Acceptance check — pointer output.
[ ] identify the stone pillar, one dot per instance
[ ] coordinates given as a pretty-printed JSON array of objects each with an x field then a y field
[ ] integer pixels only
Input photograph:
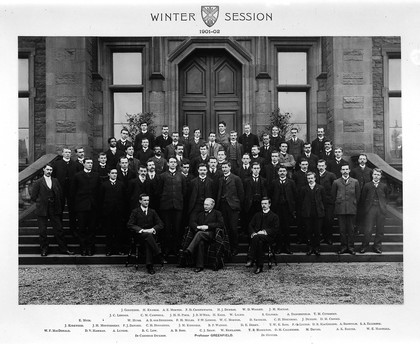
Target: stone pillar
[
  {"x": 157, "y": 80},
  {"x": 69, "y": 117},
  {"x": 352, "y": 96}
]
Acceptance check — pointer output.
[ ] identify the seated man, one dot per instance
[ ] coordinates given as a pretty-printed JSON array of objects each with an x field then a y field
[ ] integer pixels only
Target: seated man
[
  {"x": 145, "y": 223},
  {"x": 263, "y": 230},
  {"x": 204, "y": 224}
]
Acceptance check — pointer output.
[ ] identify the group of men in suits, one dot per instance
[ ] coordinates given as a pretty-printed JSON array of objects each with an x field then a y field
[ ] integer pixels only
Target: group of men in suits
[{"x": 181, "y": 176}]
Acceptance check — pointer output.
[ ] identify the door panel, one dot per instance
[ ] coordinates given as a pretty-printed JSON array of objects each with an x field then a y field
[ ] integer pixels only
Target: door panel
[{"x": 210, "y": 91}]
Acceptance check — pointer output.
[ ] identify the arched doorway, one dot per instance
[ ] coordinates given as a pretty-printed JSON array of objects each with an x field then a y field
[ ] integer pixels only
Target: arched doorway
[{"x": 210, "y": 90}]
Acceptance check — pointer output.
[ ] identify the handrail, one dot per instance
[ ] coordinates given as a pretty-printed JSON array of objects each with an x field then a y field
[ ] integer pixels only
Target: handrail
[{"x": 26, "y": 177}]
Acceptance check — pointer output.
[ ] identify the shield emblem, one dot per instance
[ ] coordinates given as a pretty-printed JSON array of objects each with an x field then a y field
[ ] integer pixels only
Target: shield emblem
[{"x": 210, "y": 14}]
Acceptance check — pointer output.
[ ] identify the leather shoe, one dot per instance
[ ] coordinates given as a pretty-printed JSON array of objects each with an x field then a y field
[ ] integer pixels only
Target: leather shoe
[
  {"x": 70, "y": 253},
  {"x": 83, "y": 252},
  {"x": 317, "y": 253},
  {"x": 234, "y": 253},
  {"x": 351, "y": 251},
  {"x": 198, "y": 269},
  {"x": 377, "y": 250},
  {"x": 215, "y": 268},
  {"x": 160, "y": 259},
  {"x": 343, "y": 250},
  {"x": 362, "y": 249},
  {"x": 329, "y": 242},
  {"x": 150, "y": 270},
  {"x": 89, "y": 252},
  {"x": 44, "y": 253},
  {"x": 188, "y": 257},
  {"x": 249, "y": 264},
  {"x": 108, "y": 254},
  {"x": 258, "y": 270},
  {"x": 310, "y": 251}
]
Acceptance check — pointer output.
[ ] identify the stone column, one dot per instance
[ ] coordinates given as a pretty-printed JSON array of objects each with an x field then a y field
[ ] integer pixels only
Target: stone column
[
  {"x": 69, "y": 121},
  {"x": 350, "y": 94}
]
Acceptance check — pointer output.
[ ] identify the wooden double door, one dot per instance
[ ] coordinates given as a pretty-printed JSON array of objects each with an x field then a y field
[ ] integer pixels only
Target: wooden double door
[{"x": 210, "y": 91}]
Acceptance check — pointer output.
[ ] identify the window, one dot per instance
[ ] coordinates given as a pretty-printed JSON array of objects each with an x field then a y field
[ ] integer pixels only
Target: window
[
  {"x": 126, "y": 87},
  {"x": 24, "y": 88},
  {"x": 393, "y": 117},
  {"x": 293, "y": 88}
]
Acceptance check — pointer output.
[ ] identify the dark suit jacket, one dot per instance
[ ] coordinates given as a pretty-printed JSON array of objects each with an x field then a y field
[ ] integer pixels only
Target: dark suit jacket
[
  {"x": 79, "y": 165},
  {"x": 138, "y": 220},
  {"x": 234, "y": 192},
  {"x": 266, "y": 154},
  {"x": 215, "y": 178},
  {"x": 305, "y": 200},
  {"x": 193, "y": 191},
  {"x": 275, "y": 192},
  {"x": 102, "y": 171},
  {"x": 270, "y": 172},
  {"x": 113, "y": 159},
  {"x": 194, "y": 148},
  {"x": 318, "y": 146},
  {"x": 363, "y": 176},
  {"x": 197, "y": 161},
  {"x": 64, "y": 172},
  {"x": 139, "y": 137},
  {"x": 312, "y": 160},
  {"x": 86, "y": 191},
  {"x": 299, "y": 177},
  {"x": 112, "y": 197},
  {"x": 327, "y": 181},
  {"x": 143, "y": 156},
  {"x": 249, "y": 190},
  {"x": 130, "y": 175},
  {"x": 41, "y": 192},
  {"x": 295, "y": 148},
  {"x": 269, "y": 222},
  {"x": 275, "y": 141},
  {"x": 244, "y": 173},
  {"x": 214, "y": 220},
  {"x": 172, "y": 191},
  {"x": 368, "y": 195},
  {"x": 239, "y": 152},
  {"x": 346, "y": 196},
  {"x": 170, "y": 151},
  {"x": 335, "y": 167},
  {"x": 260, "y": 160},
  {"x": 162, "y": 143},
  {"x": 121, "y": 147},
  {"x": 248, "y": 141},
  {"x": 135, "y": 189},
  {"x": 328, "y": 157}
]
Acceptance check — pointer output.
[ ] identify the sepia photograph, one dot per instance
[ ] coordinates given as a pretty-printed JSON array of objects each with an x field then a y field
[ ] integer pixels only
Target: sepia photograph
[{"x": 195, "y": 171}]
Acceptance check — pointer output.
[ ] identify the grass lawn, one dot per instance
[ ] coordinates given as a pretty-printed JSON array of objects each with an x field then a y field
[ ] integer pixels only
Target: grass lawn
[{"x": 321, "y": 283}]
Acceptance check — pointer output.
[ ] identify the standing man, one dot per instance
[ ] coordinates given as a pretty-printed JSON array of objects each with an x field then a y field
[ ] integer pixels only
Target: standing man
[
  {"x": 346, "y": 193},
  {"x": 310, "y": 157},
  {"x": 101, "y": 167},
  {"x": 283, "y": 194},
  {"x": 163, "y": 139},
  {"x": 185, "y": 139},
  {"x": 318, "y": 143},
  {"x": 255, "y": 156},
  {"x": 229, "y": 199},
  {"x": 46, "y": 192},
  {"x": 263, "y": 230},
  {"x": 295, "y": 144},
  {"x": 222, "y": 136},
  {"x": 80, "y": 155},
  {"x": 270, "y": 171},
  {"x": 161, "y": 164},
  {"x": 212, "y": 146},
  {"x": 146, "y": 224},
  {"x": 300, "y": 179},
  {"x": 172, "y": 190},
  {"x": 266, "y": 148},
  {"x": 336, "y": 164},
  {"x": 154, "y": 178},
  {"x": 245, "y": 169},
  {"x": 144, "y": 153},
  {"x": 113, "y": 154},
  {"x": 275, "y": 138},
  {"x": 64, "y": 170},
  {"x": 312, "y": 202},
  {"x": 214, "y": 173},
  {"x": 363, "y": 175},
  {"x": 248, "y": 139},
  {"x": 203, "y": 158},
  {"x": 112, "y": 194},
  {"x": 171, "y": 148},
  {"x": 234, "y": 151},
  {"x": 138, "y": 186},
  {"x": 144, "y": 133},
  {"x": 133, "y": 163},
  {"x": 374, "y": 199},
  {"x": 204, "y": 224},
  {"x": 328, "y": 153},
  {"x": 123, "y": 142},
  {"x": 200, "y": 188},
  {"x": 287, "y": 160},
  {"x": 195, "y": 144},
  {"x": 86, "y": 186},
  {"x": 326, "y": 180}
]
